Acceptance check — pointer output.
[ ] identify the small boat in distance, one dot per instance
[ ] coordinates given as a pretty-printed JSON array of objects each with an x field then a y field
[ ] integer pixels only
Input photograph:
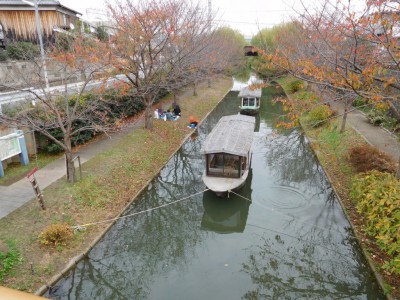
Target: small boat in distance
[
  {"x": 227, "y": 151},
  {"x": 249, "y": 100}
]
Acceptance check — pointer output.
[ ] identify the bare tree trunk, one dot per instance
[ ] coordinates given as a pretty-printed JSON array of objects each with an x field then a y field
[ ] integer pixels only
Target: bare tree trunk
[
  {"x": 209, "y": 82},
  {"x": 148, "y": 114},
  {"x": 175, "y": 98},
  {"x": 68, "y": 161},
  {"x": 344, "y": 119},
  {"x": 394, "y": 110},
  {"x": 195, "y": 88}
]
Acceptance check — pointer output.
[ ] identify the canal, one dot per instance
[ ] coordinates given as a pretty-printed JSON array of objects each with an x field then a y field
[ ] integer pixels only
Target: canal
[{"x": 284, "y": 236}]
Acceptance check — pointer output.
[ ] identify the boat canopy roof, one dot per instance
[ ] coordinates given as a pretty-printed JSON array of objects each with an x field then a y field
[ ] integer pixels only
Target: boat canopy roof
[
  {"x": 246, "y": 92},
  {"x": 232, "y": 135}
]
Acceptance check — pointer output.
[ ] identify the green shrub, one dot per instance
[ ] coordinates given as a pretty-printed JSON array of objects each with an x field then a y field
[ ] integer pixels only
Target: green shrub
[
  {"x": 54, "y": 148},
  {"x": 391, "y": 124},
  {"x": 102, "y": 34},
  {"x": 320, "y": 115},
  {"x": 359, "y": 101},
  {"x": 56, "y": 235},
  {"x": 22, "y": 50},
  {"x": 376, "y": 117},
  {"x": 295, "y": 86},
  {"x": 366, "y": 158},
  {"x": 64, "y": 41},
  {"x": 377, "y": 198},
  {"x": 9, "y": 258},
  {"x": 3, "y": 55}
]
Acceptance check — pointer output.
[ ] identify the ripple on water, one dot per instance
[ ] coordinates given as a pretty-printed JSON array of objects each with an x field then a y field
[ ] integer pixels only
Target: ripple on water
[{"x": 285, "y": 197}]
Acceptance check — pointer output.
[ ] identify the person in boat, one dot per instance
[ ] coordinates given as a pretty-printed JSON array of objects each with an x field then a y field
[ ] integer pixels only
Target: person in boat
[
  {"x": 193, "y": 122},
  {"x": 177, "y": 110}
]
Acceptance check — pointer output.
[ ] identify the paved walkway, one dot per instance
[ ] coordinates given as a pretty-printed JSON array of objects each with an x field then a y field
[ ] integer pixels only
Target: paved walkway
[
  {"x": 374, "y": 135},
  {"x": 17, "y": 194}
]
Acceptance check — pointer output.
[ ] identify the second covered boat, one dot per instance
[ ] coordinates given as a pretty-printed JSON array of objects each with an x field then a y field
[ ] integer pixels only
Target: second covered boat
[
  {"x": 249, "y": 100},
  {"x": 227, "y": 151}
]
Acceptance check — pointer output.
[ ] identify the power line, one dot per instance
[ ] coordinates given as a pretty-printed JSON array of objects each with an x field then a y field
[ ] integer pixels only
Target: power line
[{"x": 250, "y": 23}]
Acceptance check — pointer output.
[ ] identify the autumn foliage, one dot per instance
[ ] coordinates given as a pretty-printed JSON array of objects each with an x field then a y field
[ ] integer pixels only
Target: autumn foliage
[{"x": 350, "y": 53}]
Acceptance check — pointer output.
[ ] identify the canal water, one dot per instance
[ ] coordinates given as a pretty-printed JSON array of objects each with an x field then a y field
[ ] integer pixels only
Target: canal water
[{"x": 284, "y": 236}]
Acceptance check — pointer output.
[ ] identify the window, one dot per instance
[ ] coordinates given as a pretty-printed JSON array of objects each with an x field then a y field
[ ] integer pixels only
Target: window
[
  {"x": 224, "y": 165},
  {"x": 249, "y": 101}
]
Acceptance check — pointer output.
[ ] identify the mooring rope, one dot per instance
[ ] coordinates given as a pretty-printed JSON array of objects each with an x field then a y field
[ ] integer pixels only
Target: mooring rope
[
  {"x": 239, "y": 196},
  {"x": 83, "y": 227}
]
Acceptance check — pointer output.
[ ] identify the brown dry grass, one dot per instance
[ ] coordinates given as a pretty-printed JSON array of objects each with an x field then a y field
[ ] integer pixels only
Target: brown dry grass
[
  {"x": 112, "y": 180},
  {"x": 366, "y": 158}
]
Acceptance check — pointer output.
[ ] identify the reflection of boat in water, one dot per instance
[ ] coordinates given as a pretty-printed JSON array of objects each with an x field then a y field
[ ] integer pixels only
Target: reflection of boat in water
[
  {"x": 224, "y": 215},
  {"x": 249, "y": 100},
  {"x": 227, "y": 151}
]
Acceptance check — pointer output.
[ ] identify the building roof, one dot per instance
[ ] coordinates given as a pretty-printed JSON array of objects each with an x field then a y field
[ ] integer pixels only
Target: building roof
[
  {"x": 232, "y": 134},
  {"x": 246, "y": 92},
  {"x": 42, "y": 4}
]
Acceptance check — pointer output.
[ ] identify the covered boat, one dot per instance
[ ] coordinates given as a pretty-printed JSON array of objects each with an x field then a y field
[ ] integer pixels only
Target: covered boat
[
  {"x": 249, "y": 100},
  {"x": 227, "y": 151}
]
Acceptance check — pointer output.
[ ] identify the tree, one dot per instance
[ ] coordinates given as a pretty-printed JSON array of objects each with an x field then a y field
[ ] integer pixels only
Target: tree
[
  {"x": 62, "y": 108},
  {"x": 220, "y": 51},
  {"x": 268, "y": 40},
  {"x": 156, "y": 44},
  {"x": 228, "y": 45},
  {"x": 346, "y": 53}
]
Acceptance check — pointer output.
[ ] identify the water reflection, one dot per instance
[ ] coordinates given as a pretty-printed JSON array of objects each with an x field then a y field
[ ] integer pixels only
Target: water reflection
[
  {"x": 287, "y": 267},
  {"x": 289, "y": 240},
  {"x": 226, "y": 215}
]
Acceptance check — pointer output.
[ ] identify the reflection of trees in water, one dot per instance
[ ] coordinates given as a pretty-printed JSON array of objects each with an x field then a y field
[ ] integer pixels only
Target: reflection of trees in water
[
  {"x": 292, "y": 160},
  {"x": 139, "y": 248},
  {"x": 293, "y": 164},
  {"x": 290, "y": 268}
]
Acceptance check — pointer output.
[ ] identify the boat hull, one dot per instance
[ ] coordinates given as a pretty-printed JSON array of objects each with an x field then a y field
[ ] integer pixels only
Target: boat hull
[
  {"x": 249, "y": 111},
  {"x": 222, "y": 185}
]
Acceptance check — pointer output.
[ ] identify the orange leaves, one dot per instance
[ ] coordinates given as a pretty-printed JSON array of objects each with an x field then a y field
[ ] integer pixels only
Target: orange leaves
[{"x": 389, "y": 81}]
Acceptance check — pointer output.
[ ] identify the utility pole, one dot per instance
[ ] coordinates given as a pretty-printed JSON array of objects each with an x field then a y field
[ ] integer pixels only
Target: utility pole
[
  {"x": 39, "y": 32},
  {"x": 209, "y": 10}
]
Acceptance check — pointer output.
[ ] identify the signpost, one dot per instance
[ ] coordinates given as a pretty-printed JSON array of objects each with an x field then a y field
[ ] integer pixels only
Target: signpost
[{"x": 11, "y": 145}]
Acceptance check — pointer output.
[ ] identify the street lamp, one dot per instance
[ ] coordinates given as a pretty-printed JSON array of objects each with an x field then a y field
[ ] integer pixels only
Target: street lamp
[{"x": 39, "y": 31}]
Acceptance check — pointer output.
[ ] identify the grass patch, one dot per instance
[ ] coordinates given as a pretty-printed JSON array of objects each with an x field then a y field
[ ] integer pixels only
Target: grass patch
[
  {"x": 16, "y": 171},
  {"x": 113, "y": 179},
  {"x": 9, "y": 259},
  {"x": 332, "y": 148}
]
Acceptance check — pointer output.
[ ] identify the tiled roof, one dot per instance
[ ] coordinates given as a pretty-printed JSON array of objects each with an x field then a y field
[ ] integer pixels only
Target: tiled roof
[
  {"x": 246, "y": 92},
  {"x": 20, "y": 2},
  {"x": 232, "y": 134},
  {"x": 41, "y": 3}
]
